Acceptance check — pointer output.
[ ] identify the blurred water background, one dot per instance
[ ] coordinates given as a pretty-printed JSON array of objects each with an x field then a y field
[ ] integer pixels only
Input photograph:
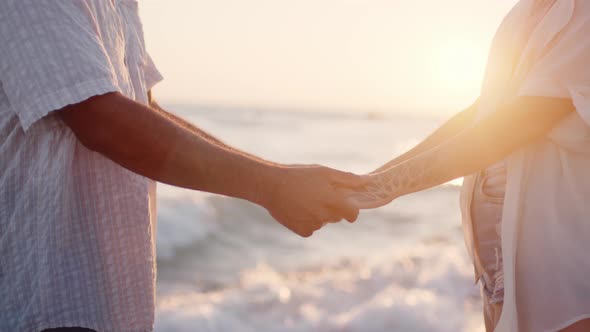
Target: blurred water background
[{"x": 225, "y": 265}]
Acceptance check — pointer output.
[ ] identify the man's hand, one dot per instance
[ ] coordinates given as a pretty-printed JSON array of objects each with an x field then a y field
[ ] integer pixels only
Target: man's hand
[{"x": 304, "y": 198}]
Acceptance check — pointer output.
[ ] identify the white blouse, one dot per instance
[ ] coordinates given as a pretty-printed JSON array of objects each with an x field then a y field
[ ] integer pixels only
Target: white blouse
[{"x": 546, "y": 217}]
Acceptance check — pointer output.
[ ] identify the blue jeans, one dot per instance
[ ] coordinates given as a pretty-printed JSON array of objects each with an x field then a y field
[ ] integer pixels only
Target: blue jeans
[
  {"x": 486, "y": 214},
  {"x": 69, "y": 329}
]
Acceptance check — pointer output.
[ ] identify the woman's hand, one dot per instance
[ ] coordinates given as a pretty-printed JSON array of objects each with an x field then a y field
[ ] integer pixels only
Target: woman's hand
[{"x": 376, "y": 192}]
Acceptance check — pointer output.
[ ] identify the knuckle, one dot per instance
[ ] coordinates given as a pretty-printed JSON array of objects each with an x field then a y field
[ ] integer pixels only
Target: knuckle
[{"x": 306, "y": 234}]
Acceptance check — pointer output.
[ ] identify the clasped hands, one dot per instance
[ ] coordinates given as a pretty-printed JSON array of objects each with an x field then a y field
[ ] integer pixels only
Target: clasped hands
[{"x": 305, "y": 198}]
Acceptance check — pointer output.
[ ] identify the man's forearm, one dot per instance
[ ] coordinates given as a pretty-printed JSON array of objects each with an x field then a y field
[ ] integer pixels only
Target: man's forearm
[
  {"x": 476, "y": 148},
  {"x": 198, "y": 131},
  {"x": 151, "y": 144},
  {"x": 186, "y": 124},
  {"x": 451, "y": 128}
]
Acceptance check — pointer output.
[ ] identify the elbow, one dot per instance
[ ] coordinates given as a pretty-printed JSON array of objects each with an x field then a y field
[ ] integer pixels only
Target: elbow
[
  {"x": 95, "y": 139},
  {"x": 89, "y": 121}
]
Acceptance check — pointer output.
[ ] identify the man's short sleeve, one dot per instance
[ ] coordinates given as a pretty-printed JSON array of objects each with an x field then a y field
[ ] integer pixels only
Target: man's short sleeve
[
  {"x": 152, "y": 74},
  {"x": 51, "y": 56},
  {"x": 564, "y": 70}
]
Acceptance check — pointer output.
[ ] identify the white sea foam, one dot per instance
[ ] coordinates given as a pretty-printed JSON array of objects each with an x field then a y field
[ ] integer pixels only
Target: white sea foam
[
  {"x": 182, "y": 221},
  {"x": 426, "y": 289}
]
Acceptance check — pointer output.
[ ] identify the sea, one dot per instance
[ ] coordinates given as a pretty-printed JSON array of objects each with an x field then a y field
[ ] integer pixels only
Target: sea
[{"x": 224, "y": 265}]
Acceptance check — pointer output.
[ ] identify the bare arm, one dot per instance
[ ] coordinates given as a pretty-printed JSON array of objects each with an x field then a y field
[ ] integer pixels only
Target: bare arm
[
  {"x": 482, "y": 144},
  {"x": 148, "y": 143},
  {"x": 451, "y": 128},
  {"x": 196, "y": 130},
  {"x": 182, "y": 122}
]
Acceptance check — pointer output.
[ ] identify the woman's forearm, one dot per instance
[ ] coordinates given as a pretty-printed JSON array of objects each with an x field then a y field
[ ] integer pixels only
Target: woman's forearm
[
  {"x": 475, "y": 148},
  {"x": 449, "y": 129}
]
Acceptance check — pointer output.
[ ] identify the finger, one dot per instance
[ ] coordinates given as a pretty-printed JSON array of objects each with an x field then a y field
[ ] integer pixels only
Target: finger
[
  {"x": 346, "y": 192},
  {"x": 316, "y": 222},
  {"x": 305, "y": 232},
  {"x": 346, "y": 208},
  {"x": 303, "y": 165},
  {"x": 330, "y": 216},
  {"x": 298, "y": 229},
  {"x": 365, "y": 200},
  {"x": 352, "y": 212},
  {"x": 347, "y": 179},
  {"x": 315, "y": 226},
  {"x": 303, "y": 226},
  {"x": 333, "y": 220}
]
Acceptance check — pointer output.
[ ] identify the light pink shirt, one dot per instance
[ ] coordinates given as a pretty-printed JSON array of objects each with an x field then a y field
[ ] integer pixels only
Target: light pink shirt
[
  {"x": 76, "y": 229},
  {"x": 546, "y": 216}
]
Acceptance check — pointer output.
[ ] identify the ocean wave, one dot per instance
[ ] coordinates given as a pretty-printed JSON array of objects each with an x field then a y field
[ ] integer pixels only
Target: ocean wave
[
  {"x": 427, "y": 289},
  {"x": 183, "y": 221}
]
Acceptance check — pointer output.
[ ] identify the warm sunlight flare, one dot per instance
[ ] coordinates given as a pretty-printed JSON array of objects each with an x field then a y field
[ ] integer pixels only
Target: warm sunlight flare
[
  {"x": 458, "y": 67},
  {"x": 386, "y": 56}
]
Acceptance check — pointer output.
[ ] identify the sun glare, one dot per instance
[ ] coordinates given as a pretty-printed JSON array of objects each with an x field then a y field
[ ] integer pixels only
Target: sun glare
[{"x": 459, "y": 67}]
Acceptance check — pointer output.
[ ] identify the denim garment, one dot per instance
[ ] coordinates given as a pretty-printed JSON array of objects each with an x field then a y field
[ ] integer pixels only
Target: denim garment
[{"x": 486, "y": 211}]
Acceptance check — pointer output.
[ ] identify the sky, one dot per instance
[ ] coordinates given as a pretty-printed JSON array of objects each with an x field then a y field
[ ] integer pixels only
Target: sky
[{"x": 337, "y": 55}]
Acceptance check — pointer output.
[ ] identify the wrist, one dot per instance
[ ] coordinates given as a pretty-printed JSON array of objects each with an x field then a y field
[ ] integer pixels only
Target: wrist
[
  {"x": 268, "y": 183},
  {"x": 389, "y": 188}
]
